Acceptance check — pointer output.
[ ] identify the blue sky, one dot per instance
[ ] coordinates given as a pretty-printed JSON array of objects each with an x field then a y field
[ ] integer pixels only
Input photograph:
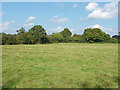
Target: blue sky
[{"x": 55, "y": 16}]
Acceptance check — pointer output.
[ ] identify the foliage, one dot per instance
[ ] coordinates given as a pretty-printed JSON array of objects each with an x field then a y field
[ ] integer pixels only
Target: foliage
[
  {"x": 37, "y": 34},
  {"x": 111, "y": 40},
  {"x": 56, "y": 38},
  {"x": 95, "y": 35},
  {"x": 8, "y": 39},
  {"x": 116, "y": 36},
  {"x": 66, "y": 33},
  {"x": 22, "y": 36}
]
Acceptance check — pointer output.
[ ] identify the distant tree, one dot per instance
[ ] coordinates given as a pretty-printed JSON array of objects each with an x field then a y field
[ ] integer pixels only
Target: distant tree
[
  {"x": 22, "y": 36},
  {"x": 108, "y": 36},
  {"x": 76, "y": 38},
  {"x": 66, "y": 33},
  {"x": 95, "y": 35},
  {"x": 56, "y": 37},
  {"x": 21, "y": 31},
  {"x": 36, "y": 34},
  {"x": 115, "y": 36},
  {"x": 8, "y": 39}
]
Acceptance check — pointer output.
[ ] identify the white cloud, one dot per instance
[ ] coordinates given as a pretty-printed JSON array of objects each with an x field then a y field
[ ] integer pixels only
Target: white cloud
[
  {"x": 100, "y": 14},
  {"x": 30, "y": 18},
  {"x": 60, "y": 20},
  {"x": 5, "y": 25},
  {"x": 75, "y": 5},
  {"x": 58, "y": 29},
  {"x": 105, "y": 29},
  {"x": 91, "y": 6},
  {"x": 108, "y": 11},
  {"x": 29, "y": 24},
  {"x": 72, "y": 29},
  {"x": 56, "y": 16}
]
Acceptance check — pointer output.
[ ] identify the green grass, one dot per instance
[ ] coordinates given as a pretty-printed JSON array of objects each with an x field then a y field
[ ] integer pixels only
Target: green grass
[{"x": 60, "y": 66}]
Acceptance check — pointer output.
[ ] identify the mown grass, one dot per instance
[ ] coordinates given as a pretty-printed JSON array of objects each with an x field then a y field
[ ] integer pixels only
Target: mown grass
[{"x": 70, "y": 65}]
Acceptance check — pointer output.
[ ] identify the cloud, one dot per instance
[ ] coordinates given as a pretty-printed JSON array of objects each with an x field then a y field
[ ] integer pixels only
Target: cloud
[
  {"x": 105, "y": 29},
  {"x": 5, "y": 25},
  {"x": 107, "y": 12},
  {"x": 59, "y": 20},
  {"x": 31, "y": 18},
  {"x": 29, "y": 24},
  {"x": 72, "y": 29},
  {"x": 91, "y": 6},
  {"x": 56, "y": 16},
  {"x": 100, "y": 14},
  {"x": 58, "y": 29},
  {"x": 75, "y": 5}
]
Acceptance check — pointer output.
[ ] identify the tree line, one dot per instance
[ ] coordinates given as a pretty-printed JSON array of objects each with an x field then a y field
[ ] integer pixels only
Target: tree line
[{"x": 37, "y": 35}]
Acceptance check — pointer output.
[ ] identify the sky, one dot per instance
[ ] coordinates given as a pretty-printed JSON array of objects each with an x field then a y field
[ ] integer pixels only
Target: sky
[{"x": 55, "y": 16}]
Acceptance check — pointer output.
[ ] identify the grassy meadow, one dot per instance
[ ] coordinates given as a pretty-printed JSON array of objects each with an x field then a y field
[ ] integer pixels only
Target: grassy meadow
[{"x": 63, "y": 65}]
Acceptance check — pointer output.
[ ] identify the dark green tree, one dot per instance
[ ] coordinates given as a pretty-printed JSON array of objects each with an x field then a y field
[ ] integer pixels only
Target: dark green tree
[
  {"x": 8, "y": 39},
  {"x": 56, "y": 37},
  {"x": 95, "y": 35},
  {"x": 36, "y": 34},
  {"x": 22, "y": 36},
  {"x": 66, "y": 33}
]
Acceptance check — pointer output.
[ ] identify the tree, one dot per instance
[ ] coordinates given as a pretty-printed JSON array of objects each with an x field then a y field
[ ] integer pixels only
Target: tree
[
  {"x": 21, "y": 31},
  {"x": 36, "y": 34},
  {"x": 95, "y": 35},
  {"x": 76, "y": 38},
  {"x": 22, "y": 36},
  {"x": 66, "y": 33},
  {"x": 116, "y": 36},
  {"x": 8, "y": 39},
  {"x": 56, "y": 37}
]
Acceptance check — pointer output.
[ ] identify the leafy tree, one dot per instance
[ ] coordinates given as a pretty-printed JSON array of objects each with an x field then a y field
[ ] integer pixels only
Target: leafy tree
[
  {"x": 21, "y": 31},
  {"x": 8, "y": 39},
  {"x": 56, "y": 37},
  {"x": 22, "y": 36},
  {"x": 76, "y": 38},
  {"x": 95, "y": 35},
  {"x": 36, "y": 34},
  {"x": 116, "y": 36},
  {"x": 66, "y": 33}
]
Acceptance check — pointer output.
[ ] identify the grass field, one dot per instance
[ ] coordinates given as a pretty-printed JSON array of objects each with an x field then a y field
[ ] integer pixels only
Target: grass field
[{"x": 60, "y": 66}]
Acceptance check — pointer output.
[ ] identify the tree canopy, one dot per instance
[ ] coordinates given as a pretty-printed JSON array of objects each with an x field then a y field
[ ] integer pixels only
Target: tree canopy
[
  {"x": 95, "y": 35},
  {"x": 37, "y": 34}
]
